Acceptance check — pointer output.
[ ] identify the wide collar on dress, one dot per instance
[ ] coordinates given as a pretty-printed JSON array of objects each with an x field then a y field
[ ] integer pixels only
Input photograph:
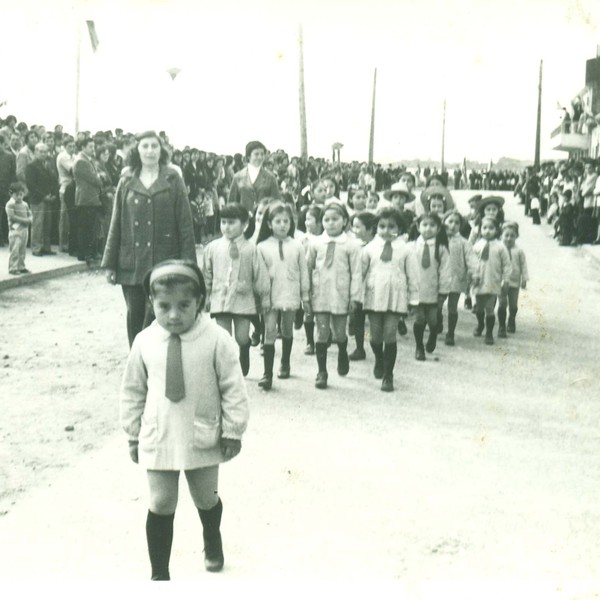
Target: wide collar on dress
[
  {"x": 340, "y": 239},
  {"x": 162, "y": 183}
]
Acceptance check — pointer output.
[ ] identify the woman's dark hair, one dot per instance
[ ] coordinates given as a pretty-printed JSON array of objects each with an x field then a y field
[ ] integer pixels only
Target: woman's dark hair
[
  {"x": 100, "y": 148},
  {"x": 316, "y": 211},
  {"x": 441, "y": 239},
  {"x": 393, "y": 214},
  {"x": 234, "y": 210},
  {"x": 255, "y": 145},
  {"x": 273, "y": 209},
  {"x": 135, "y": 162},
  {"x": 170, "y": 281}
]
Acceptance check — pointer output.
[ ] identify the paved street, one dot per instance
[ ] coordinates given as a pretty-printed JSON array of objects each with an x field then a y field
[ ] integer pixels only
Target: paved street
[{"x": 482, "y": 465}]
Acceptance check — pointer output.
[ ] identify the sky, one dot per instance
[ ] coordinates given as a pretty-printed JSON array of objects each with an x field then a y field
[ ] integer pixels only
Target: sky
[{"x": 239, "y": 71}]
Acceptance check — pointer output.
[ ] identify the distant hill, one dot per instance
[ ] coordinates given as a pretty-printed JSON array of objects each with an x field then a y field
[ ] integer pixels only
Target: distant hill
[{"x": 504, "y": 163}]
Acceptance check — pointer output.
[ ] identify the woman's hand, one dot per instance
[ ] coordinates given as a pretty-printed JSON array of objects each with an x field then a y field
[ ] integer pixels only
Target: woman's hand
[
  {"x": 111, "y": 276},
  {"x": 230, "y": 448}
]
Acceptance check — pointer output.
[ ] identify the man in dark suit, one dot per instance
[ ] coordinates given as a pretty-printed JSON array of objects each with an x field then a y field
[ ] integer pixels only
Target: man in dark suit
[
  {"x": 42, "y": 189},
  {"x": 8, "y": 175}
]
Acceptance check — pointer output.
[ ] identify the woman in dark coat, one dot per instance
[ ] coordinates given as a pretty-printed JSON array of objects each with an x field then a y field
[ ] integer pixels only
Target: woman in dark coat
[{"x": 151, "y": 222}]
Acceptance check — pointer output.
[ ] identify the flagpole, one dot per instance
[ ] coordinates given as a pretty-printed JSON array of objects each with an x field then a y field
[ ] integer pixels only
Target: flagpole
[
  {"x": 372, "y": 134},
  {"x": 536, "y": 161},
  {"x": 302, "y": 98},
  {"x": 77, "y": 77},
  {"x": 443, "y": 134}
]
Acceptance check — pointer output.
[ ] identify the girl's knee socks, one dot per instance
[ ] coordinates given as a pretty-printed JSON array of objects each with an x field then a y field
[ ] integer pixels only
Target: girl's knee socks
[
  {"x": 159, "y": 535},
  {"x": 321, "y": 352}
]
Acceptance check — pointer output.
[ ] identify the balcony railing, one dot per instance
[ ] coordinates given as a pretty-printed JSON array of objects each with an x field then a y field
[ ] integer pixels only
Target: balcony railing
[{"x": 570, "y": 138}]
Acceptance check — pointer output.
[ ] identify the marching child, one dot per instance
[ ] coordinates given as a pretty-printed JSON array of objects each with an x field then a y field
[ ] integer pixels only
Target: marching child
[
  {"x": 285, "y": 262},
  {"x": 336, "y": 287},
  {"x": 430, "y": 250},
  {"x": 463, "y": 269},
  {"x": 314, "y": 228},
  {"x": 518, "y": 280},
  {"x": 184, "y": 406},
  {"x": 494, "y": 270},
  {"x": 363, "y": 228},
  {"x": 235, "y": 278},
  {"x": 490, "y": 206},
  {"x": 390, "y": 284},
  {"x": 19, "y": 218}
]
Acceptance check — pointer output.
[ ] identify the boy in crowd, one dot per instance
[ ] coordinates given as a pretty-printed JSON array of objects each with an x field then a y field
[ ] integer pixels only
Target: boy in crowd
[{"x": 19, "y": 218}]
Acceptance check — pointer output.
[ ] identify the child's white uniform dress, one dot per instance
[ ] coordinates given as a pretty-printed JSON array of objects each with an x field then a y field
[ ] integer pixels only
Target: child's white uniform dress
[
  {"x": 334, "y": 286},
  {"x": 463, "y": 264},
  {"x": 493, "y": 271},
  {"x": 435, "y": 279},
  {"x": 184, "y": 435},
  {"x": 389, "y": 286}
]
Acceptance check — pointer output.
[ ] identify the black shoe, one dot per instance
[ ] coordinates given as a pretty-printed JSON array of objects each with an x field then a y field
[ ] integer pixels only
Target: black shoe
[
  {"x": 358, "y": 354},
  {"x": 489, "y": 339},
  {"x": 14, "y": 272},
  {"x": 266, "y": 383},
  {"x": 284, "y": 372},
  {"x": 213, "y": 544},
  {"x": 321, "y": 380},
  {"x": 343, "y": 366},
  {"x": 37, "y": 253},
  {"x": 449, "y": 339},
  {"x": 255, "y": 338},
  {"x": 502, "y": 332},
  {"x": 309, "y": 350},
  {"x": 478, "y": 331},
  {"x": 387, "y": 385},
  {"x": 510, "y": 327},
  {"x": 431, "y": 344},
  {"x": 378, "y": 369},
  {"x": 402, "y": 329},
  {"x": 24, "y": 271},
  {"x": 420, "y": 354},
  {"x": 48, "y": 253}
]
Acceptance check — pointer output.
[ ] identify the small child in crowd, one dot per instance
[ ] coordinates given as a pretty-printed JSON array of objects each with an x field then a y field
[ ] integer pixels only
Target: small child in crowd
[
  {"x": 184, "y": 406},
  {"x": 518, "y": 280},
  {"x": 363, "y": 229},
  {"x": 19, "y": 219},
  {"x": 494, "y": 271},
  {"x": 390, "y": 277},
  {"x": 463, "y": 268},
  {"x": 434, "y": 279},
  {"x": 335, "y": 271},
  {"x": 285, "y": 263},
  {"x": 235, "y": 278}
]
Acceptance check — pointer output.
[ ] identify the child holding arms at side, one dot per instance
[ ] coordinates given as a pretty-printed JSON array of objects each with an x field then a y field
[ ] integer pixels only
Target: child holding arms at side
[
  {"x": 494, "y": 270},
  {"x": 285, "y": 262},
  {"x": 430, "y": 251},
  {"x": 463, "y": 268},
  {"x": 184, "y": 406},
  {"x": 336, "y": 287},
  {"x": 518, "y": 280},
  {"x": 390, "y": 284},
  {"x": 235, "y": 277},
  {"x": 19, "y": 218}
]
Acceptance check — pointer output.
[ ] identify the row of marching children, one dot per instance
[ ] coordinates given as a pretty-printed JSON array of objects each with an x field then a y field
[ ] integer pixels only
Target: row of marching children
[{"x": 381, "y": 263}]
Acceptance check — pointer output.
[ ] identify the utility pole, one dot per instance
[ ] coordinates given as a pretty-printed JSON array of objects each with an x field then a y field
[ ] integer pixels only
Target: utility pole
[
  {"x": 77, "y": 76},
  {"x": 372, "y": 136},
  {"x": 536, "y": 161},
  {"x": 443, "y": 134},
  {"x": 302, "y": 99}
]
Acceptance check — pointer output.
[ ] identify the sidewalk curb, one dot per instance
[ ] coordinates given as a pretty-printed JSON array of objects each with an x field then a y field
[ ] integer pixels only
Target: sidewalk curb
[{"x": 41, "y": 276}]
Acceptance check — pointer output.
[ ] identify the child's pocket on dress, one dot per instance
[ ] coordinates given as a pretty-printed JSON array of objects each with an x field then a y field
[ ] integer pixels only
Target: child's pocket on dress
[
  {"x": 148, "y": 433},
  {"x": 206, "y": 433}
]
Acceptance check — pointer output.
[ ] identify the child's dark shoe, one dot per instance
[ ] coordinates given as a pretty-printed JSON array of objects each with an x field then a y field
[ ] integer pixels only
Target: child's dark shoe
[
  {"x": 420, "y": 354},
  {"x": 431, "y": 344},
  {"x": 502, "y": 332},
  {"x": 309, "y": 350},
  {"x": 284, "y": 372},
  {"x": 343, "y": 366},
  {"x": 489, "y": 339},
  {"x": 387, "y": 385},
  {"x": 478, "y": 331},
  {"x": 266, "y": 383},
  {"x": 255, "y": 339},
  {"x": 510, "y": 326},
  {"x": 378, "y": 369},
  {"x": 449, "y": 339},
  {"x": 321, "y": 380},
  {"x": 358, "y": 354},
  {"x": 402, "y": 329}
]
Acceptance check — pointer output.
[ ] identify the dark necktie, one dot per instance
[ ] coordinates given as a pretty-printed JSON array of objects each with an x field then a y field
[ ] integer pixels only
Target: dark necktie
[
  {"x": 330, "y": 253},
  {"x": 175, "y": 387},
  {"x": 485, "y": 253},
  {"x": 386, "y": 254},
  {"x": 426, "y": 259},
  {"x": 509, "y": 253},
  {"x": 281, "y": 249},
  {"x": 233, "y": 251}
]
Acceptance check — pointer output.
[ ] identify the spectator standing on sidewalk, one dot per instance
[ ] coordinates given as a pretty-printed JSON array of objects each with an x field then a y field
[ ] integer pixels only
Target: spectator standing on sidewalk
[
  {"x": 7, "y": 176},
  {"x": 64, "y": 166},
  {"x": 26, "y": 154},
  {"x": 19, "y": 220},
  {"x": 43, "y": 192}
]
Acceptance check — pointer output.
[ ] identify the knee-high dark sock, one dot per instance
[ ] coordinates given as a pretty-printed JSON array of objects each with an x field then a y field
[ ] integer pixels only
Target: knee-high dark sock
[
  {"x": 512, "y": 313},
  {"x": 309, "y": 329},
  {"x": 378, "y": 352},
  {"x": 269, "y": 359},
  {"x": 502, "y": 317},
  {"x": 359, "y": 336},
  {"x": 245, "y": 358},
  {"x": 343, "y": 360},
  {"x": 298, "y": 318},
  {"x": 440, "y": 321},
  {"x": 389, "y": 359},
  {"x": 452, "y": 321},
  {"x": 419, "y": 330},
  {"x": 286, "y": 350},
  {"x": 321, "y": 352},
  {"x": 159, "y": 534},
  {"x": 255, "y": 320},
  {"x": 211, "y": 534},
  {"x": 490, "y": 321},
  {"x": 480, "y": 320}
]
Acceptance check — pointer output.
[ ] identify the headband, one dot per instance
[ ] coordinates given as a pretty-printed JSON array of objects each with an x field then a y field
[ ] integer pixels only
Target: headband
[
  {"x": 165, "y": 270},
  {"x": 337, "y": 207}
]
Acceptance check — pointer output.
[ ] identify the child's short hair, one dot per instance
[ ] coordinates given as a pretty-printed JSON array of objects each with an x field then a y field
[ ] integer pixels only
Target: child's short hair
[
  {"x": 393, "y": 214},
  {"x": 316, "y": 211},
  {"x": 369, "y": 220},
  {"x": 172, "y": 272},
  {"x": 234, "y": 210},
  {"x": 16, "y": 187},
  {"x": 511, "y": 225},
  {"x": 454, "y": 213},
  {"x": 490, "y": 220},
  {"x": 340, "y": 208}
]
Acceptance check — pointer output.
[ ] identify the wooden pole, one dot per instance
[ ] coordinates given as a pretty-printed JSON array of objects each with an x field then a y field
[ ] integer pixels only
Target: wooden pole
[
  {"x": 443, "y": 135},
  {"x": 77, "y": 76},
  {"x": 303, "y": 135},
  {"x": 536, "y": 161},
  {"x": 372, "y": 134}
]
